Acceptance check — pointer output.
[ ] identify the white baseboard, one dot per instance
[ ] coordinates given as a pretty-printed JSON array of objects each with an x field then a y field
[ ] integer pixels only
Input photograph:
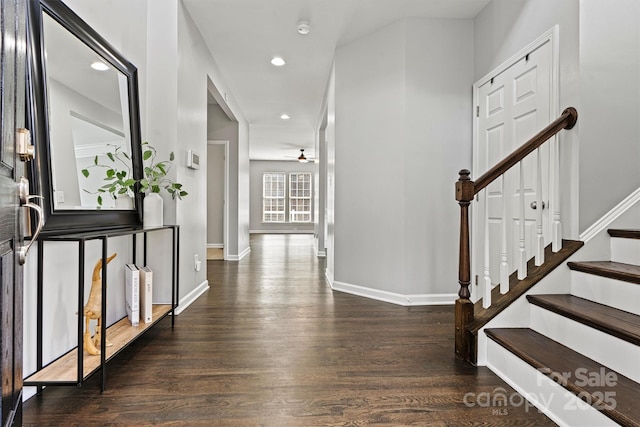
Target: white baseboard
[
  {"x": 244, "y": 253},
  {"x": 189, "y": 299},
  {"x": 395, "y": 298},
  {"x": 328, "y": 275},
  {"x": 215, "y": 245},
  {"x": 281, "y": 231},
  {"x": 321, "y": 254},
  {"x": 432, "y": 299},
  {"x": 231, "y": 257}
]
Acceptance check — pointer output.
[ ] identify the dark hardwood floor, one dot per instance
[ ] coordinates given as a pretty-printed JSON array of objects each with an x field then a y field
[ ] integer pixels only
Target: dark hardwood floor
[{"x": 271, "y": 345}]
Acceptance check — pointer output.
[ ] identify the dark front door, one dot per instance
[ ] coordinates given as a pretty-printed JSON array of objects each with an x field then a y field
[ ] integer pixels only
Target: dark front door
[{"x": 12, "y": 117}]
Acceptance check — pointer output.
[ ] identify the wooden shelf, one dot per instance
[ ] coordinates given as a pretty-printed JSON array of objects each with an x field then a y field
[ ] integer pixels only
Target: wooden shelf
[
  {"x": 120, "y": 334},
  {"x": 75, "y": 366}
]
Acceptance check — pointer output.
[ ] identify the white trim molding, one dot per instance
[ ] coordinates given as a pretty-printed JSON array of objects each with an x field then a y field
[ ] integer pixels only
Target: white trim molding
[
  {"x": 215, "y": 245},
  {"x": 328, "y": 275},
  {"x": 190, "y": 298},
  {"x": 238, "y": 257},
  {"x": 610, "y": 216},
  {"x": 395, "y": 298}
]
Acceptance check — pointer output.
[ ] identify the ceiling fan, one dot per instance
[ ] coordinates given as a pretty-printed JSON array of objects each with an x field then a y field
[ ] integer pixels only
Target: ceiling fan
[{"x": 302, "y": 158}]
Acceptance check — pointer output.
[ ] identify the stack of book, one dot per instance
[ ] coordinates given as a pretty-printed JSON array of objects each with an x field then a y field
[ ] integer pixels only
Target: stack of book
[{"x": 138, "y": 294}]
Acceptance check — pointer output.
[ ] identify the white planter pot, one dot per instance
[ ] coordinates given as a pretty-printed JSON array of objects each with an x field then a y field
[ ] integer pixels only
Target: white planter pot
[{"x": 152, "y": 211}]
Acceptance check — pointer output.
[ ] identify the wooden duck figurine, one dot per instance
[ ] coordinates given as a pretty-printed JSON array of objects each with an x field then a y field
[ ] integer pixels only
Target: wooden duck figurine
[{"x": 93, "y": 309}]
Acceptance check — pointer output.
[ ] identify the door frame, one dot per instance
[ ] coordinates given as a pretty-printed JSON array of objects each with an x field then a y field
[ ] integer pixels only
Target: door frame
[
  {"x": 550, "y": 36},
  {"x": 225, "y": 208}
]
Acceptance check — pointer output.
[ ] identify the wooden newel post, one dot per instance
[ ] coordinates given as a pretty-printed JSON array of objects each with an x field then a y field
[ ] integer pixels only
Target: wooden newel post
[{"x": 464, "y": 306}]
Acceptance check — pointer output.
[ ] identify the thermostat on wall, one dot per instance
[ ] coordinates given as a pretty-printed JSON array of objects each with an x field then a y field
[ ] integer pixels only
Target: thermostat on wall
[{"x": 193, "y": 160}]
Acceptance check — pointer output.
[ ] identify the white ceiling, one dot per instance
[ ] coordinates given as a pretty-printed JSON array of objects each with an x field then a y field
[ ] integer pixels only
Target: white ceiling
[{"x": 243, "y": 35}]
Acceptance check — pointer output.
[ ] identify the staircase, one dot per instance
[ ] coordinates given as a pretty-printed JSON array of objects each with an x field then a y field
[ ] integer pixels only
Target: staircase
[{"x": 579, "y": 359}]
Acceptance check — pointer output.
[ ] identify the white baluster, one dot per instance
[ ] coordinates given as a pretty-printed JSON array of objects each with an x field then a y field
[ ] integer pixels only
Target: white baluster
[
  {"x": 539, "y": 259},
  {"x": 486, "y": 278},
  {"x": 522, "y": 261},
  {"x": 554, "y": 188},
  {"x": 504, "y": 256}
]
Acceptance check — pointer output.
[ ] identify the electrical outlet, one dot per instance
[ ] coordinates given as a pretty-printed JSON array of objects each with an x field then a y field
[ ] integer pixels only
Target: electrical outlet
[{"x": 196, "y": 263}]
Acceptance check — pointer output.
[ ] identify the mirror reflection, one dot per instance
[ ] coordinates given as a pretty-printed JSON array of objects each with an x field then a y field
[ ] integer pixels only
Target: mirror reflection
[{"x": 88, "y": 122}]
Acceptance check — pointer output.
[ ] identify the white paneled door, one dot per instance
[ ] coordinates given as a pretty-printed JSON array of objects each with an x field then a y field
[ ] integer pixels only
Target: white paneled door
[{"x": 511, "y": 107}]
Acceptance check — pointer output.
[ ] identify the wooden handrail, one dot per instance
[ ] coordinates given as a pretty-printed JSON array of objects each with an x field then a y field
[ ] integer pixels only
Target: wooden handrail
[
  {"x": 566, "y": 120},
  {"x": 466, "y": 189}
]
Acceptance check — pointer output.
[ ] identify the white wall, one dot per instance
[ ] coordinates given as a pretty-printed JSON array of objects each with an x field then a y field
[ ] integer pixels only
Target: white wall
[
  {"x": 219, "y": 126},
  {"x": 259, "y": 167},
  {"x": 369, "y": 169},
  {"x": 504, "y": 27},
  {"x": 438, "y": 103},
  {"x": 402, "y": 109},
  {"x": 162, "y": 130},
  {"x": 609, "y": 105}
]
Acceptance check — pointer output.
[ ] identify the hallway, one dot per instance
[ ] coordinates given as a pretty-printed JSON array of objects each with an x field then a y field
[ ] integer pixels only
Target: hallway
[{"x": 269, "y": 344}]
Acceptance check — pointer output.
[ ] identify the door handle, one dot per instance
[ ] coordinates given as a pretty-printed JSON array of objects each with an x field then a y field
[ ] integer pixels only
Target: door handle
[
  {"x": 534, "y": 205},
  {"x": 25, "y": 201}
]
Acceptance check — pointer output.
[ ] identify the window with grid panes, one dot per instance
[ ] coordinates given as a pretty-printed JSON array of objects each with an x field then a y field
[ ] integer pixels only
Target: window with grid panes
[
  {"x": 273, "y": 197},
  {"x": 300, "y": 197}
]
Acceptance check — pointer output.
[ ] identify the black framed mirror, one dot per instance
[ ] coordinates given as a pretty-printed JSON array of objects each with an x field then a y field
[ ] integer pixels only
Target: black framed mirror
[{"x": 85, "y": 124}]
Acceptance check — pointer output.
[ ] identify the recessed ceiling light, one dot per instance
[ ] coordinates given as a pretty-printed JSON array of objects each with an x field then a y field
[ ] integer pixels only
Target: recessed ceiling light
[
  {"x": 99, "y": 65},
  {"x": 277, "y": 61},
  {"x": 285, "y": 117}
]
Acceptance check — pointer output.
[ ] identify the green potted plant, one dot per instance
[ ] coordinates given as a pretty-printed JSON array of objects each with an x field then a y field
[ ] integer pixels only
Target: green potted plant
[
  {"x": 120, "y": 183},
  {"x": 155, "y": 174},
  {"x": 154, "y": 180}
]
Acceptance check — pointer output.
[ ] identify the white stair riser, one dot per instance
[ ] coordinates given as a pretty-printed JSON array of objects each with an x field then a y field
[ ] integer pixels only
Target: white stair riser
[
  {"x": 517, "y": 314},
  {"x": 614, "y": 293},
  {"x": 619, "y": 355},
  {"x": 563, "y": 407},
  {"x": 625, "y": 250}
]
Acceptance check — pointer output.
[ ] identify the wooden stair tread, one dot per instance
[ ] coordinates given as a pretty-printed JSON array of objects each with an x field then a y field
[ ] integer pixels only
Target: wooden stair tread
[
  {"x": 554, "y": 359},
  {"x": 517, "y": 288},
  {"x": 615, "y": 322},
  {"x": 627, "y": 234},
  {"x": 613, "y": 270}
]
